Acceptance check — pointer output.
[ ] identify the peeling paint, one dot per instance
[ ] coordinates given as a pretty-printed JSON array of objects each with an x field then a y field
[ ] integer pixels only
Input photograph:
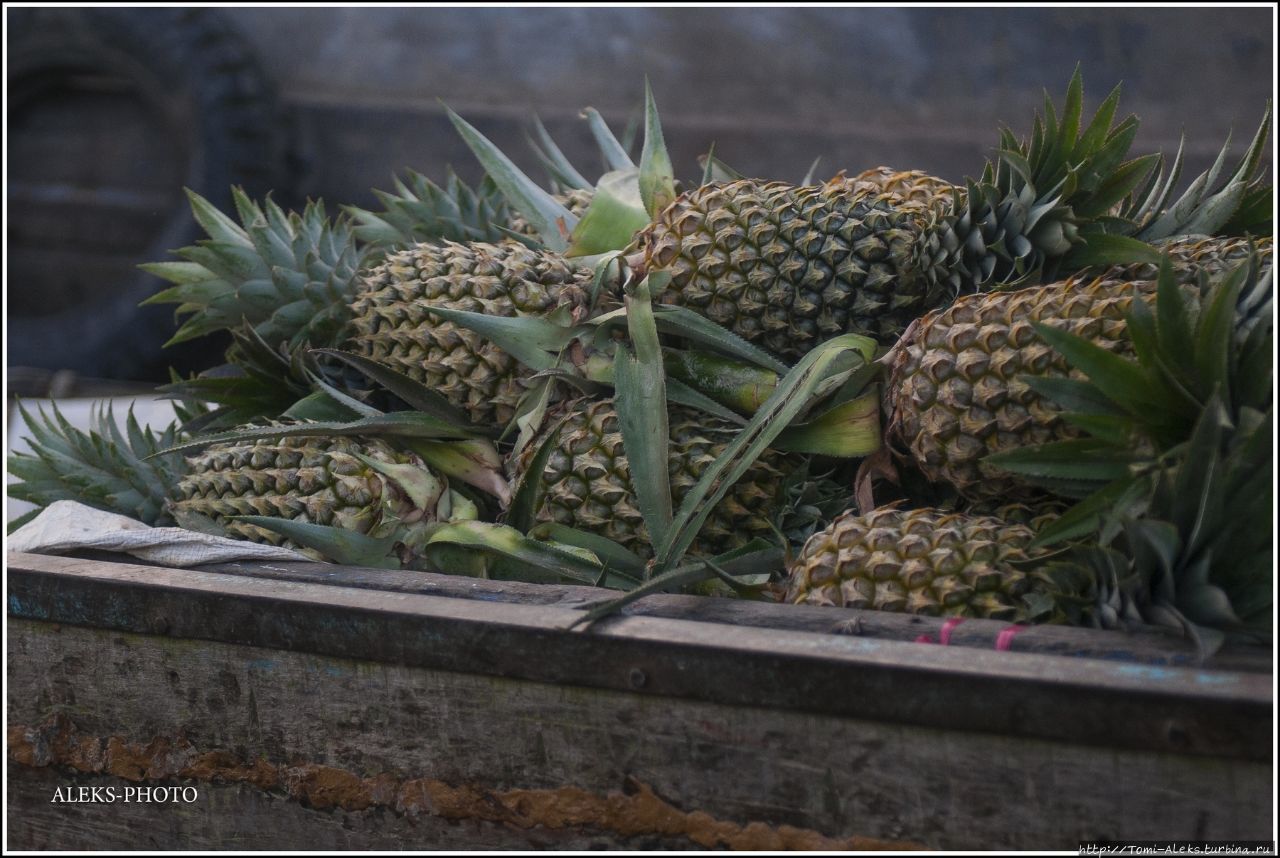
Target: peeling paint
[{"x": 635, "y": 811}]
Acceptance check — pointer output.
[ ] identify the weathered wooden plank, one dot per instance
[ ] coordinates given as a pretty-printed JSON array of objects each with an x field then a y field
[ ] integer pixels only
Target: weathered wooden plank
[
  {"x": 240, "y": 817},
  {"x": 1213, "y": 713},
  {"x": 346, "y": 736},
  {"x": 1144, "y": 646}
]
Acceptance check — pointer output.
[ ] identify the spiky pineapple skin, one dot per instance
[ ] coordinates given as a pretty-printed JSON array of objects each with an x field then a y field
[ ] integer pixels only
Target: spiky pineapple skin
[
  {"x": 955, "y": 392},
  {"x": 586, "y": 483},
  {"x": 787, "y": 267},
  {"x": 922, "y": 561},
  {"x": 914, "y": 185},
  {"x": 318, "y": 480},
  {"x": 392, "y": 318}
]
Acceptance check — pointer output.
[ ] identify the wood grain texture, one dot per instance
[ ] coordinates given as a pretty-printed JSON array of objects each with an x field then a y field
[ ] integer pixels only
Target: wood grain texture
[
  {"x": 1130, "y": 706},
  {"x": 839, "y": 776},
  {"x": 241, "y": 817},
  {"x": 1142, "y": 646}
]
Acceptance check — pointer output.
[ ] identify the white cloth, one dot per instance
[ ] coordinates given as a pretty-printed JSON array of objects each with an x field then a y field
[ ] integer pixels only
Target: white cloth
[{"x": 66, "y": 526}]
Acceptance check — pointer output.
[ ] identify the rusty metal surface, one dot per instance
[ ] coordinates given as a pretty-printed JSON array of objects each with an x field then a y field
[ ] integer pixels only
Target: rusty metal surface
[{"x": 1180, "y": 710}]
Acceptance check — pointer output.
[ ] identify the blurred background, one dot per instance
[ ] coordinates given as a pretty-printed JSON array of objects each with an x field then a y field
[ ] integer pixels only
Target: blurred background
[{"x": 113, "y": 111}]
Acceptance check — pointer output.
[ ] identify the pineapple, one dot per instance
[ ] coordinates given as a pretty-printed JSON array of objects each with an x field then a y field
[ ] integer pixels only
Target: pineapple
[
  {"x": 954, "y": 392},
  {"x": 1193, "y": 254},
  {"x": 586, "y": 482},
  {"x": 356, "y": 484},
  {"x": 289, "y": 282},
  {"x": 912, "y": 185},
  {"x": 392, "y": 322},
  {"x": 787, "y": 267},
  {"x": 923, "y": 561}
]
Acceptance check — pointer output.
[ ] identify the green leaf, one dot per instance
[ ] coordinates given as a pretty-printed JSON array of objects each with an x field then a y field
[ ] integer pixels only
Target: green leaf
[
  {"x": 615, "y": 215},
  {"x": 1117, "y": 186},
  {"x": 641, "y": 399},
  {"x": 1118, "y": 379},
  {"x": 323, "y": 405},
  {"x": 552, "y": 221},
  {"x": 1073, "y": 395},
  {"x": 218, "y": 226},
  {"x": 1213, "y": 335},
  {"x": 475, "y": 462},
  {"x": 510, "y": 555},
  {"x": 694, "y": 572},
  {"x": 793, "y": 395},
  {"x": 657, "y": 177},
  {"x": 1096, "y": 133},
  {"x": 339, "y": 545},
  {"x": 715, "y": 170},
  {"x": 416, "y": 394},
  {"x": 849, "y": 430},
  {"x": 1098, "y": 250},
  {"x": 1077, "y": 459},
  {"x": 524, "y": 503},
  {"x": 743, "y": 387},
  {"x": 400, "y": 424},
  {"x": 1083, "y": 518},
  {"x": 699, "y": 330},
  {"x": 529, "y": 339},
  {"x": 555, "y": 160},
  {"x": 615, "y": 154},
  {"x": 614, "y": 556}
]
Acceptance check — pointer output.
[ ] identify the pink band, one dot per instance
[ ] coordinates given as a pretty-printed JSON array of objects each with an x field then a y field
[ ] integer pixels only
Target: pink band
[
  {"x": 944, "y": 636},
  {"x": 925, "y": 639},
  {"x": 1005, "y": 638}
]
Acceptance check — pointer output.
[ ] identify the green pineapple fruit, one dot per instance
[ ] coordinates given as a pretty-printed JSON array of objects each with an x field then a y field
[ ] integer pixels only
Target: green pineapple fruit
[
  {"x": 787, "y": 267},
  {"x": 909, "y": 185},
  {"x": 363, "y": 485},
  {"x": 955, "y": 391},
  {"x": 392, "y": 322},
  {"x": 586, "y": 482},
  {"x": 925, "y": 561}
]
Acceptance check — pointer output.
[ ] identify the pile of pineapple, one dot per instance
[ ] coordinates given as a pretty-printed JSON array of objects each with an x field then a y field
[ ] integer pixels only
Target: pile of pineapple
[{"x": 1041, "y": 395}]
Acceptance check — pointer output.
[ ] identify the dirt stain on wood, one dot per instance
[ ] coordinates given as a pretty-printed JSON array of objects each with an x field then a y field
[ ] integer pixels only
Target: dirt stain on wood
[{"x": 634, "y": 811}]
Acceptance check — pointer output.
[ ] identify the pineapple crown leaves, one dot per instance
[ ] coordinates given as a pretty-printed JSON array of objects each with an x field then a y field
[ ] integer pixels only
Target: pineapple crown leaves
[
  {"x": 1036, "y": 199},
  {"x": 563, "y": 173},
  {"x": 1241, "y": 205},
  {"x": 118, "y": 471},
  {"x": 552, "y": 222},
  {"x": 625, "y": 198},
  {"x": 420, "y": 211},
  {"x": 257, "y": 383},
  {"x": 288, "y": 275}
]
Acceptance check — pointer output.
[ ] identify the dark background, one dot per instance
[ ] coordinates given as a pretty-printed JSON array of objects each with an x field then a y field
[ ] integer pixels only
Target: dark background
[{"x": 329, "y": 102}]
